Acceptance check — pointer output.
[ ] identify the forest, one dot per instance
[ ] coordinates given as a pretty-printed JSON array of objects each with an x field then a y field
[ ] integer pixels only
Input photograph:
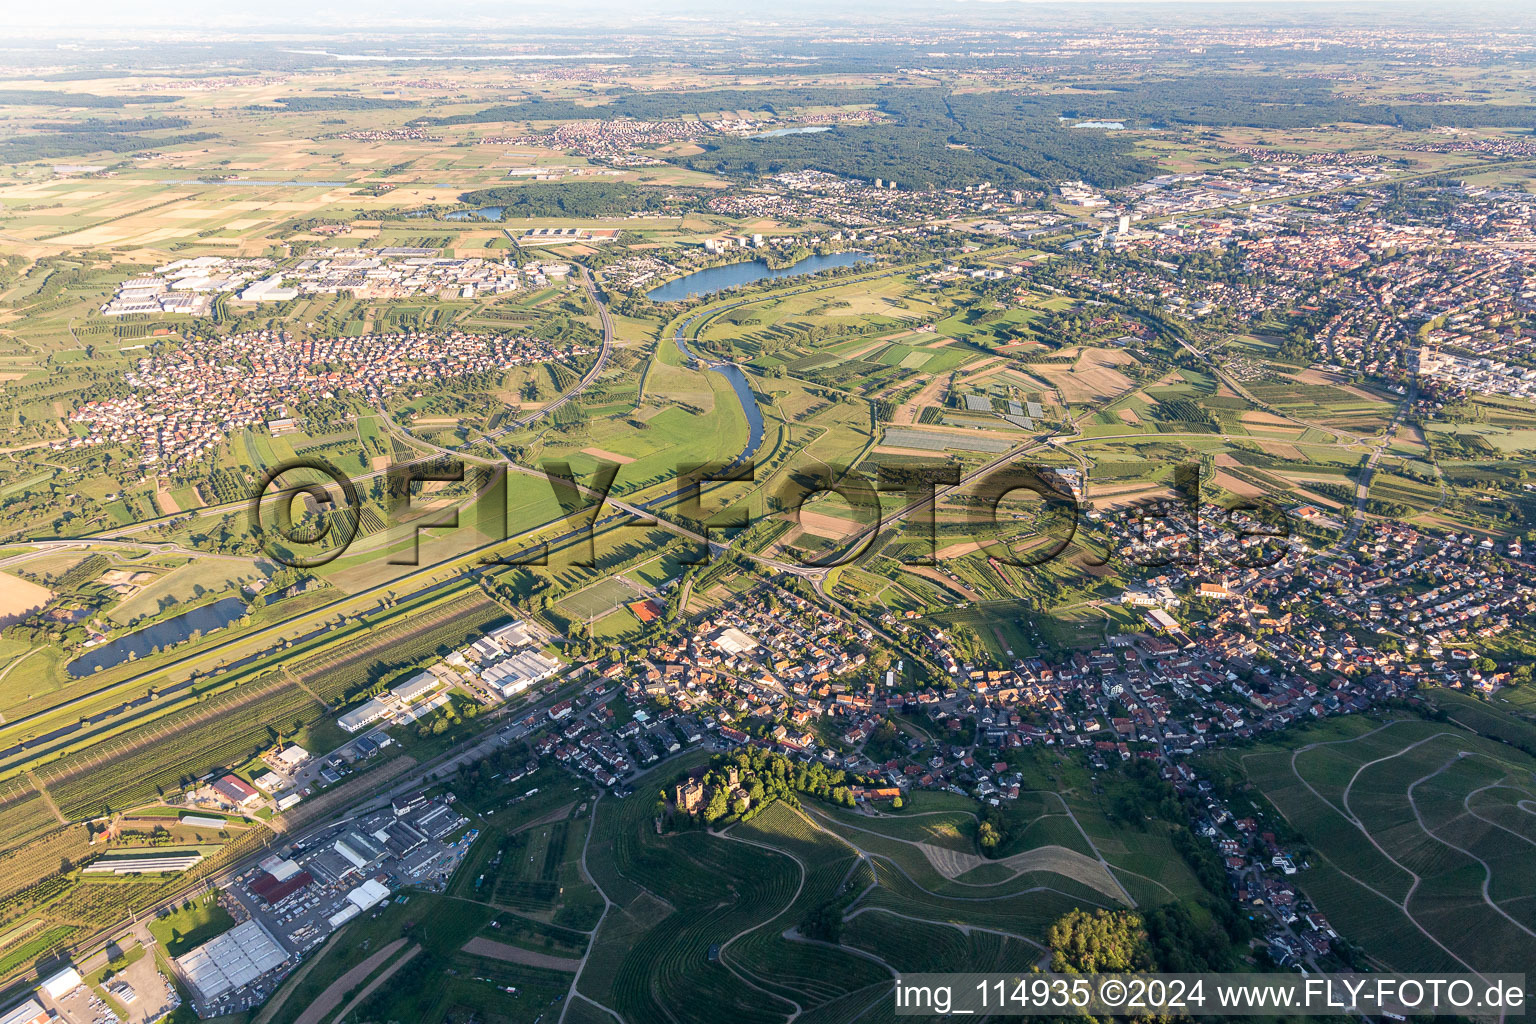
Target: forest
[
  {"x": 1010, "y": 138},
  {"x": 55, "y": 145},
  {"x": 57, "y": 98},
  {"x": 577, "y": 199},
  {"x": 347, "y": 102},
  {"x": 657, "y": 106}
]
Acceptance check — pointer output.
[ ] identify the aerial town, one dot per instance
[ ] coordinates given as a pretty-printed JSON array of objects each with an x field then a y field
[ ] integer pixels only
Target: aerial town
[{"x": 627, "y": 517}]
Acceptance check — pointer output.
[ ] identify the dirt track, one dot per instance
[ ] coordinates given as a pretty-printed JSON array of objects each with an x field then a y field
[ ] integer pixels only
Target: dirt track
[
  {"x": 384, "y": 976},
  {"x": 328, "y": 1000}
]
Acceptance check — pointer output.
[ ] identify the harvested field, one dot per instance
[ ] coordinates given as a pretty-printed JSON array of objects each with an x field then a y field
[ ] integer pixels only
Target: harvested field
[
  {"x": 1243, "y": 488},
  {"x": 956, "y": 550},
  {"x": 18, "y": 597},
  {"x": 490, "y": 948},
  {"x": 908, "y": 411},
  {"x": 1119, "y": 497},
  {"x": 1258, "y": 418},
  {"x": 1092, "y": 378},
  {"x": 607, "y": 456},
  {"x": 823, "y": 525}
]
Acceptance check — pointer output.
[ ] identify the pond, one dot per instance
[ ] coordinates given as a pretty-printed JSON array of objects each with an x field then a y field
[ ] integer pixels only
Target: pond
[
  {"x": 484, "y": 213},
  {"x": 733, "y": 275},
  {"x": 161, "y": 634}
]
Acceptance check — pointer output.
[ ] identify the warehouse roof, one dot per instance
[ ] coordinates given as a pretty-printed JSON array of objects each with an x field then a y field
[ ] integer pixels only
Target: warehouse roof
[{"x": 232, "y": 960}]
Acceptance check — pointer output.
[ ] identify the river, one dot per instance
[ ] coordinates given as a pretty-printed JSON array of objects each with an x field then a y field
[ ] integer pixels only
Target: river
[
  {"x": 733, "y": 275},
  {"x": 738, "y": 381}
]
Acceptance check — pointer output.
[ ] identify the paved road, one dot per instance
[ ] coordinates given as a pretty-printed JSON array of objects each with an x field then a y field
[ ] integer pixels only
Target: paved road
[{"x": 587, "y": 378}]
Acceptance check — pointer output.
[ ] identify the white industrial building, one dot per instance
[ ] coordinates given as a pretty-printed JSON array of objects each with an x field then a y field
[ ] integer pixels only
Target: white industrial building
[
  {"x": 342, "y": 916},
  {"x": 511, "y": 636},
  {"x": 28, "y": 1011},
  {"x": 290, "y": 759},
  {"x": 418, "y": 685},
  {"x": 280, "y": 868},
  {"x": 61, "y": 983},
  {"x": 389, "y": 704},
  {"x": 734, "y": 641},
  {"x": 269, "y": 289},
  {"x": 519, "y": 672},
  {"x": 232, "y": 960},
  {"x": 365, "y": 714},
  {"x": 368, "y": 895}
]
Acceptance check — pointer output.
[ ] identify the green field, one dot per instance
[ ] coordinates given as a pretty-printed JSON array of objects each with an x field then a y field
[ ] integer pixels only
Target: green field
[{"x": 191, "y": 924}]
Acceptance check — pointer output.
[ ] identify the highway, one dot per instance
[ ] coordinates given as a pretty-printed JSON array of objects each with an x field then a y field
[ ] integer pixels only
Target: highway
[{"x": 587, "y": 378}]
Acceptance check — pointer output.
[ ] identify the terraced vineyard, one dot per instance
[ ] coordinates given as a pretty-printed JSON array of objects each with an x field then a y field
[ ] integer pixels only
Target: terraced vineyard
[
  {"x": 1422, "y": 836},
  {"x": 915, "y": 946},
  {"x": 795, "y": 969},
  {"x": 746, "y": 894}
]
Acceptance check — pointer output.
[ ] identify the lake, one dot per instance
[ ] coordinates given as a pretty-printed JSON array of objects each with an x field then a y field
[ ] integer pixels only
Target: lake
[
  {"x": 733, "y": 275},
  {"x": 162, "y": 635}
]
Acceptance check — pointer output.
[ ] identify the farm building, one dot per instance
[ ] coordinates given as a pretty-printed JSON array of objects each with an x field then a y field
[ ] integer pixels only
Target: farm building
[
  {"x": 143, "y": 863},
  {"x": 236, "y": 791},
  {"x": 203, "y": 821}
]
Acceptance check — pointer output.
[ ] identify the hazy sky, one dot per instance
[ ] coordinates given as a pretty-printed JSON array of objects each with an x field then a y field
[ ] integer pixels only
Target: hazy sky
[{"x": 192, "y": 17}]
